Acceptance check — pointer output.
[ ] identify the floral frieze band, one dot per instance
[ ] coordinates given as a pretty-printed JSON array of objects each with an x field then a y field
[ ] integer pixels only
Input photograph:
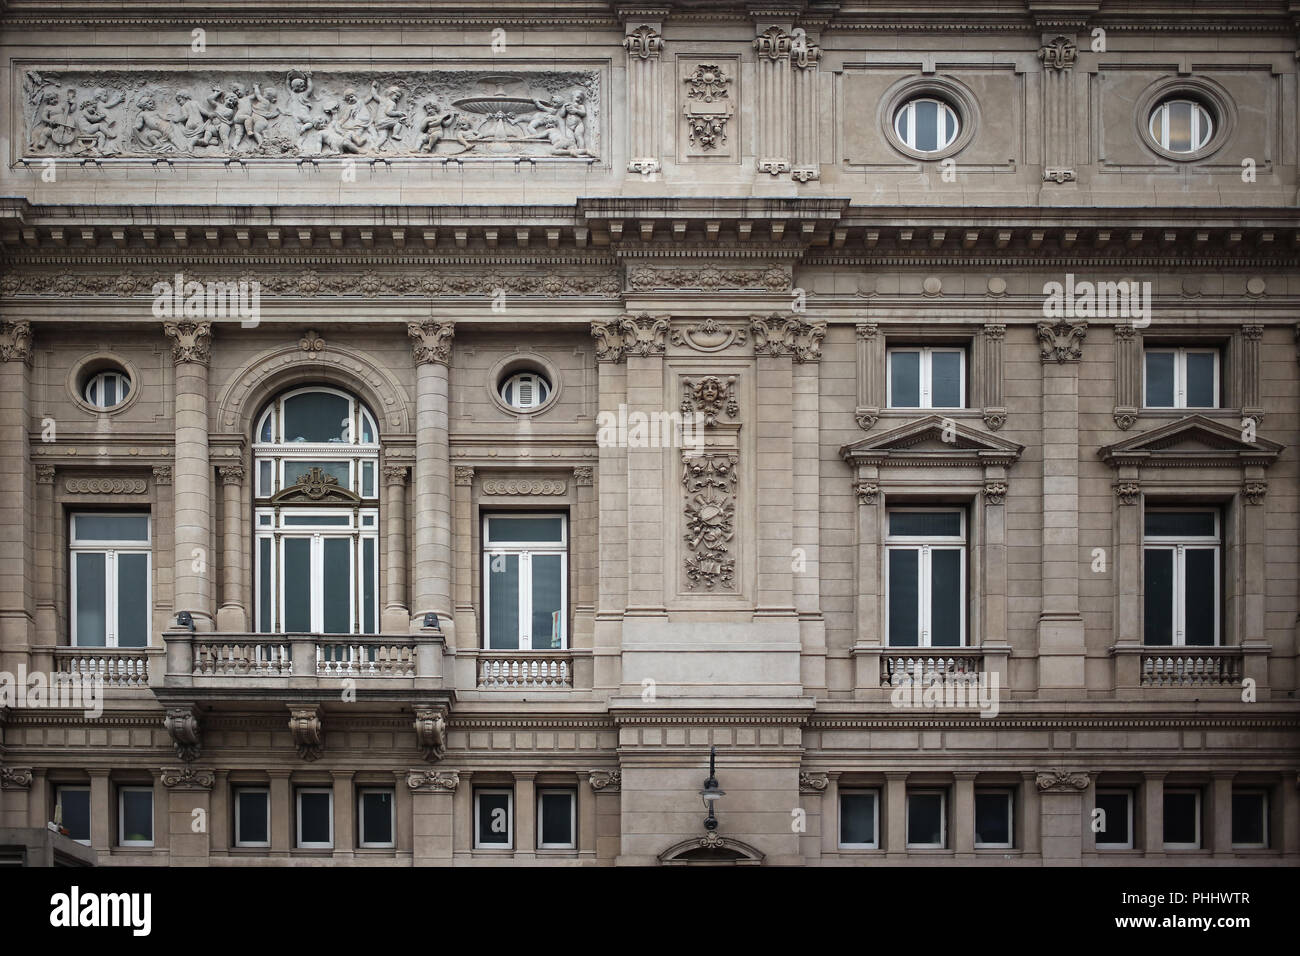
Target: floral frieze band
[{"x": 444, "y": 114}]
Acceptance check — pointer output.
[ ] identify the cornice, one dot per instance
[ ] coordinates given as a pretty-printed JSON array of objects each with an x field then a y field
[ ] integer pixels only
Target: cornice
[{"x": 1036, "y": 722}]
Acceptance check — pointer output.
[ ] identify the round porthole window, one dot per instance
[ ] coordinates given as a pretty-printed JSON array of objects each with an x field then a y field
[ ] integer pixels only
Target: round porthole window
[
  {"x": 926, "y": 124},
  {"x": 107, "y": 389},
  {"x": 525, "y": 390},
  {"x": 1181, "y": 125}
]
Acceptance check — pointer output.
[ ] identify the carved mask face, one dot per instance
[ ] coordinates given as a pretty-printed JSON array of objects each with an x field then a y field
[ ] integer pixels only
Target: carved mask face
[{"x": 709, "y": 391}]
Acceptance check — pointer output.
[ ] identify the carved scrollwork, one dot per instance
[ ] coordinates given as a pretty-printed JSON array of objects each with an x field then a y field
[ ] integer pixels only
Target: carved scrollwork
[
  {"x": 995, "y": 492},
  {"x": 105, "y": 486},
  {"x": 433, "y": 779},
  {"x": 187, "y": 778},
  {"x": 710, "y": 396},
  {"x": 709, "y": 481},
  {"x": 15, "y": 778},
  {"x": 193, "y": 341},
  {"x": 1062, "y": 781},
  {"x": 1060, "y": 54},
  {"x": 777, "y": 334},
  {"x": 774, "y": 43},
  {"x": 995, "y": 418},
  {"x": 1063, "y": 341},
  {"x": 432, "y": 341},
  {"x": 1125, "y": 418},
  {"x": 642, "y": 335},
  {"x": 866, "y": 418},
  {"x": 644, "y": 42},
  {"x": 16, "y": 342},
  {"x": 1127, "y": 492},
  {"x": 523, "y": 486},
  {"x": 182, "y": 725},
  {"x": 311, "y": 342},
  {"x": 607, "y": 780},
  {"x": 1254, "y": 491},
  {"x": 867, "y": 491},
  {"x": 812, "y": 781}
]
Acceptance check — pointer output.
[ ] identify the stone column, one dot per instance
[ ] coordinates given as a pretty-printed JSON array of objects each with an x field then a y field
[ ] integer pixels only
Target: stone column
[
  {"x": 397, "y": 614},
  {"x": 1031, "y": 816},
  {"x": 1058, "y": 55},
  {"x": 283, "y": 814},
  {"x": 164, "y": 542},
  {"x": 345, "y": 840},
  {"x": 467, "y": 622},
  {"x": 643, "y": 43},
  {"x": 961, "y": 821},
  {"x": 192, "y": 587},
  {"x": 1060, "y": 625},
  {"x": 805, "y": 55},
  {"x": 992, "y": 568},
  {"x": 17, "y": 577},
  {"x": 990, "y": 347},
  {"x": 103, "y": 814},
  {"x": 1249, "y": 378},
  {"x": 432, "y": 353},
  {"x": 773, "y": 47},
  {"x": 774, "y": 484},
  {"x": 585, "y": 541},
  {"x": 221, "y": 835},
  {"x": 1219, "y": 817},
  {"x": 1128, "y": 376},
  {"x": 806, "y": 559},
  {"x": 462, "y": 820},
  {"x": 645, "y": 469},
  {"x": 1152, "y": 815},
  {"x": 1060, "y": 800},
  {"x": 586, "y": 821},
  {"x": 525, "y": 817},
  {"x": 47, "y": 621},
  {"x": 611, "y": 505},
  {"x": 232, "y": 615}
]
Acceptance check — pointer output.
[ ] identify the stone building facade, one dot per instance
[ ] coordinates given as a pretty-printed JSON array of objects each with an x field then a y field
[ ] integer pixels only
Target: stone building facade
[{"x": 903, "y": 405}]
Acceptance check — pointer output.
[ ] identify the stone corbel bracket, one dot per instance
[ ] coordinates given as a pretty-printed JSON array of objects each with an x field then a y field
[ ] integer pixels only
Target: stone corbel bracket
[
  {"x": 609, "y": 781},
  {"x": 433, "y": 780},
  {"x": 182, "y": 723},
  {"x": 308, "y": 731},
  {"x": 187, "y": 778},
  {"x": 431, "y": 732},
  {"x": 15, "y": 778},
  {"x": 1062, "y": 781}
]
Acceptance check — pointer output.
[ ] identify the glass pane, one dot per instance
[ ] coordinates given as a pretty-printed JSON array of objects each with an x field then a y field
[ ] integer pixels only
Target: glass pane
[
  {"x": 368, "y": 625},
  {"x": 949, "y": 126},
  {"x": 367, "y": 479},
  {"x": 110, "y": 390},
  {"x": 296, "y": 584},
  {"x": 1189, "y": 524},
  {"x": 900, "y": 122},
  {"x": 945, "y": 597},
  {"x": 132, "y": 599},
  {"x": 377, "y": 817},
  {"x": 264, "y": 586},
  {"x": 557, "y": 818},
  {"x": 111, "y": 527},
  {"x": 1247, "y": 818},
  {"x": 925, "y": 818},
  {"x": 1200, "y": 379},
  {"x": 137, "y": 815},
  {"x": 904, "y": 379},
  {"x": 1158, "y": 578},
  {"x": 927, "y": 126},
  {"x": 1180, "y": 817},
  {"x": 1160, "y": 380},
  {"x": 927, "y": 524},
  {"x": 1114, "y": 822},
  {"x": 1157, "y": 121},
  {"x": 268, "y": 424},
  {"x": 316, "y": 417},
  {"x": 945, "y": 380},
  {"x": 336, "y": 588},
  {"x": 76, "y": 812},
  {"x": 314, "y": 816},
  {"x": 91, "y": 600},
  {"x": 549, "y": 528},
  {"x": 296, "y": 472},
  {"x": 904, "y": 581},
  {"x": 493, "y": 819},
  {"x": 548, "y": 590},
  {"x": 857, "y": 818},
  {"x": 1180, "y": 126},
  {"x": 1201, "y": 584},
  {"x": 125, "y": 384},
  {"x": 252, "y": 817},
  {"x": 328, "y": 521},
  {"x": 503, "y": 600},
  {"x": 992, "y": 818},
  {"x": 264, "y": 478},
  {"x": 367, "y": 429}
]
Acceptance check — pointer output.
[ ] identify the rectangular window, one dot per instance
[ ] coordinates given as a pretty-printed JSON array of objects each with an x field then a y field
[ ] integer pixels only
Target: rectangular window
[
  {"x": 993, "y": 819},
  {"x": 376, "y": 817},
  {"x": 1250, "y": 819},
  {"x": 925, "y": 570},
  {"x": 252, "y": 816},
  {"x": 1182, "y": 819},
  {"x": 1114, "y": 824},
  {"x": 135, "y": 816},
  {"x": 860, "y": 819},
  {"x": 926, "y": 822},
  {"x": 316, "y": 571},
  {"x": 557, "y": 819},
  {"x": 1181, "y": 578},
  {"x": 927, "y": 378},
  {"x": 315, "y": 818},
  {"x": 1180, "y": 378},
  {"x": 74, "y": 811},
  {"x": 525, "y": 582},
  {"x": 494, "y": 819},
  {"x": 110, "y": 579}
]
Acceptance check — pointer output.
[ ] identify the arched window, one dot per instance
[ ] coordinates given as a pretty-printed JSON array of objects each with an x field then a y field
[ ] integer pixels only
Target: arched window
[{"x": 316, "y": 517}]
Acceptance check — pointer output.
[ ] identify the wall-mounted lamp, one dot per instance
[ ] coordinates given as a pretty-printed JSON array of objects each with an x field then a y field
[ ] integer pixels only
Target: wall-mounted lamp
[{"x": 711, "y": 794}]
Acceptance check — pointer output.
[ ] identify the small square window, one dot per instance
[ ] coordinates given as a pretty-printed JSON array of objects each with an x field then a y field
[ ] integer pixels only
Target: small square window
[
  {"x": 1182, "y": 819},
  {"x": 376, "y": 818},
  {"x": 494, "y": 823},
  {"x": 74, "y": 811},
  {"x": 1180, "y": 378},
  {"x": 252, "y": 816},
  {"x": 1250, "y": 818},
  {"x": 860, "y": 819},
  {"x": 926, "y": 825},
  {"x": 993, "y": 819},
  {"x": 926, "y": 378},
  {"x": 556, "y": 819},
  {"x": 135, "y": 816},
  {"x": 315, "y": 818},
  {"x": 1113, "y": 824}
]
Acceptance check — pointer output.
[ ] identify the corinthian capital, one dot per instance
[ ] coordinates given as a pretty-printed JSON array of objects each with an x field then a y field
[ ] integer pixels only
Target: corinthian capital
[
  {"x": 15, "y": 342},
  {"x": 192, "y": 340},
  {"x": 432, "y": 341}
]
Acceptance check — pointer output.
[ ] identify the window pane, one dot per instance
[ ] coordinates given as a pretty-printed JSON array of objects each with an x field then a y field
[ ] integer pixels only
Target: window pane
[
  {"x": 548, "y": 590},
  {"x": 945, "y": 597},
  {"x": 493, "y": 819},
  {"x": 1248, "y": 811},
  {"x": 503, "y": 598},
  {"x": 111, "y": 527},
  {"x": 132, "y": 599},
  {"x": 367, "y": 429},
  {"x": 268, "y": 424},
  {"x": 264, "y": 478},
  {"x": 368, "y": 586},
  {"x": 992, "y": 818},
  {"x": 1160, "y": 379},
  {"x": 296, "y": 472},
  {"x": 110, "y": 390},
  {"x": 1200, "y": 379},
  {"x": 926, "y": 524},
  {"x": 1180, "y": 126},
  {"x": 377, "y": 816},
  {"x": 925, "y": 818},
  {"x": 1201, "y": 584},
  {"x": 900, "y": 122},
  {"x": 549, "y": 528},
  {"x": 137, "y": 815},
  {"x": 1114, "y": 806},
  {"x": 927, "y": 125},
  {"x": 1180, "y": 817},
  {"x": 323, "y": 521},
  {"x": 1198, "y": 524},
  {"x": 367, "y": 479},
  {"x": 1158, "y": 578},
  {"x": 252, "y": 817},
  {"x": 315, "y": 417},
  {"x": 857, "y": 818},
  {"x": 336, "y": 588},
  {"x": 264, "y": 586},
  {"x": 903, "y": 584},
  {"x": 76, "y": 812},
  {"x": 314, "y": 816},
  {"x": 945, "y": 380},
  {"x": 91, "y": 600},
  {"x": 904, "y": 379},
  {"x": 557, "y": 818},
  {"x": 296, "y": 585}
]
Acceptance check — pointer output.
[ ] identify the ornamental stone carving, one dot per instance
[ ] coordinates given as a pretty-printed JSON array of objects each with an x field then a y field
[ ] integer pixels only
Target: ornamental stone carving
[
  {"x": 710, "y": 396},
  {"x": 866, "y": 420},
  {"x": 804, "y": 53},
  {"x": 709, "y": 335},
  {"x": 708, "y": 279},
  {"x": 1060, "y": 54},
  {"x": 162, "y": 474},
  {"x": 256, "y": 115},
  {"x": 397, "y": 474},
  {"x": 432, "y": 341},
  {"x": 1063, "y": 341},
  {"x": 231, "y": 474},
  {"x": 45, "y": 474},
  {"x": 523, "y": 486},
  {"x": 584, "y": 476},
  {"x": 182, "y": 725},
  {"x": 995, "y": 418},
  {"x": 1125, "y": 418},
  {"x": 431, "y": 732},
  {"x": 311, "y": 342},
  {"x": 444, "y": 780},
  {"x": 15, "y": 778},
  {"x": 1062, "y": 781},
  {"x": 813, "y": 782},
  {"x": 609, "y": 780},
  {"x": 868, "y": 492},
  {"x": 641, "y": 335},
  {"x": 193, "y": 340},
  {"x": 1127, "y": 492},
  {"x": 776, "y": 334},
  {"x": 464, "y": 475},
  {"x": 995, "y": 492},
  {"x": 187, "y": 778},
  {"x": 16, "y": 342},
  {"x": 644, "y": 42},
  {"x": 308, "y": 732},
  {"x": 773, "y": 43},
  {"x": 105, "y": 486},
  {"x": 708, "y": 106},
  {"x": 1254, "y": 492},
  {"x": 709, "y": 481}
]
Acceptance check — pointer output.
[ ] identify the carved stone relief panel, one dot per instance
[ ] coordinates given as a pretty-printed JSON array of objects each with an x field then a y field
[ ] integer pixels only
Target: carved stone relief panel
[
  {"x": 709, "y": 482},
  {"x": 708, "y": 91}
]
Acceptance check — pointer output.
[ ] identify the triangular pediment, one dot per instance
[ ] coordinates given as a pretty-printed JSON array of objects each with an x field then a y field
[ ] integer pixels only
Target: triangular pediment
[
  {"x": 933, "y": 437},
  {"x": 1194, "y": 440}
]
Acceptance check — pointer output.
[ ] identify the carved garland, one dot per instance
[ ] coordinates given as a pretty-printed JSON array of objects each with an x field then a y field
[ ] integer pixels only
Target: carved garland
[{"x": 710, "y": 483}]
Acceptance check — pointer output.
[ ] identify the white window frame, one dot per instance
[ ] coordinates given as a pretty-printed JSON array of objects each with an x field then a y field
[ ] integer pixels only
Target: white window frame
[
  {"x": 1199, "y": 113},
  {"x": 99, "y": 379},
  {"x": 572, "y": 794},
  {"x": 943, "y": 818},
  {"x": 110, "y": 548},
  {"x": 362, "y": 842},
  {"x": 297, "y": 800},
  {"x": 926, "y": 544},
  {"x": 510, "y": 817},
  {"x": 239, "y": 840},
  {"x": 1200, "y": 838},
  {"x": 62, "y": 788},
  {"x": 1179, "y": 545},
  {"x": 121, "y": 817},
  {"x": 1129, "y": 800},
  {"x": 525, "y": 551},
  {"x": 1180, "y": 354},
  {"x": 907, "y": 112},
  {"x": 1262, "y": 793},
  {"x": 515, "y": 378},
  {"x": 926, "y": 396},
  {"x": 1010, "y": 795},
  {"x": 285, "y": 456},
  {"x": 875, "y": 821}
]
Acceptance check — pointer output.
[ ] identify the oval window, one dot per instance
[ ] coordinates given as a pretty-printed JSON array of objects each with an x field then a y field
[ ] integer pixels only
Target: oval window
[
  {"x": 107, "y": 389},
  {"x": 1181, "y": 126},
  {"x": 525, "y": 390},
  {"x": 926, "y": 125}
]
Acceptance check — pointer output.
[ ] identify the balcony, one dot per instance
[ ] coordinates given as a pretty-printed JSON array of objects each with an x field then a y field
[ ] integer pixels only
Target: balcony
[
  {"x": 1191, "y": 672},
  {"x": 116, "y": 667},
  {"x": 879, "y": 669},
  {"x": 524, "y": 670}
]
